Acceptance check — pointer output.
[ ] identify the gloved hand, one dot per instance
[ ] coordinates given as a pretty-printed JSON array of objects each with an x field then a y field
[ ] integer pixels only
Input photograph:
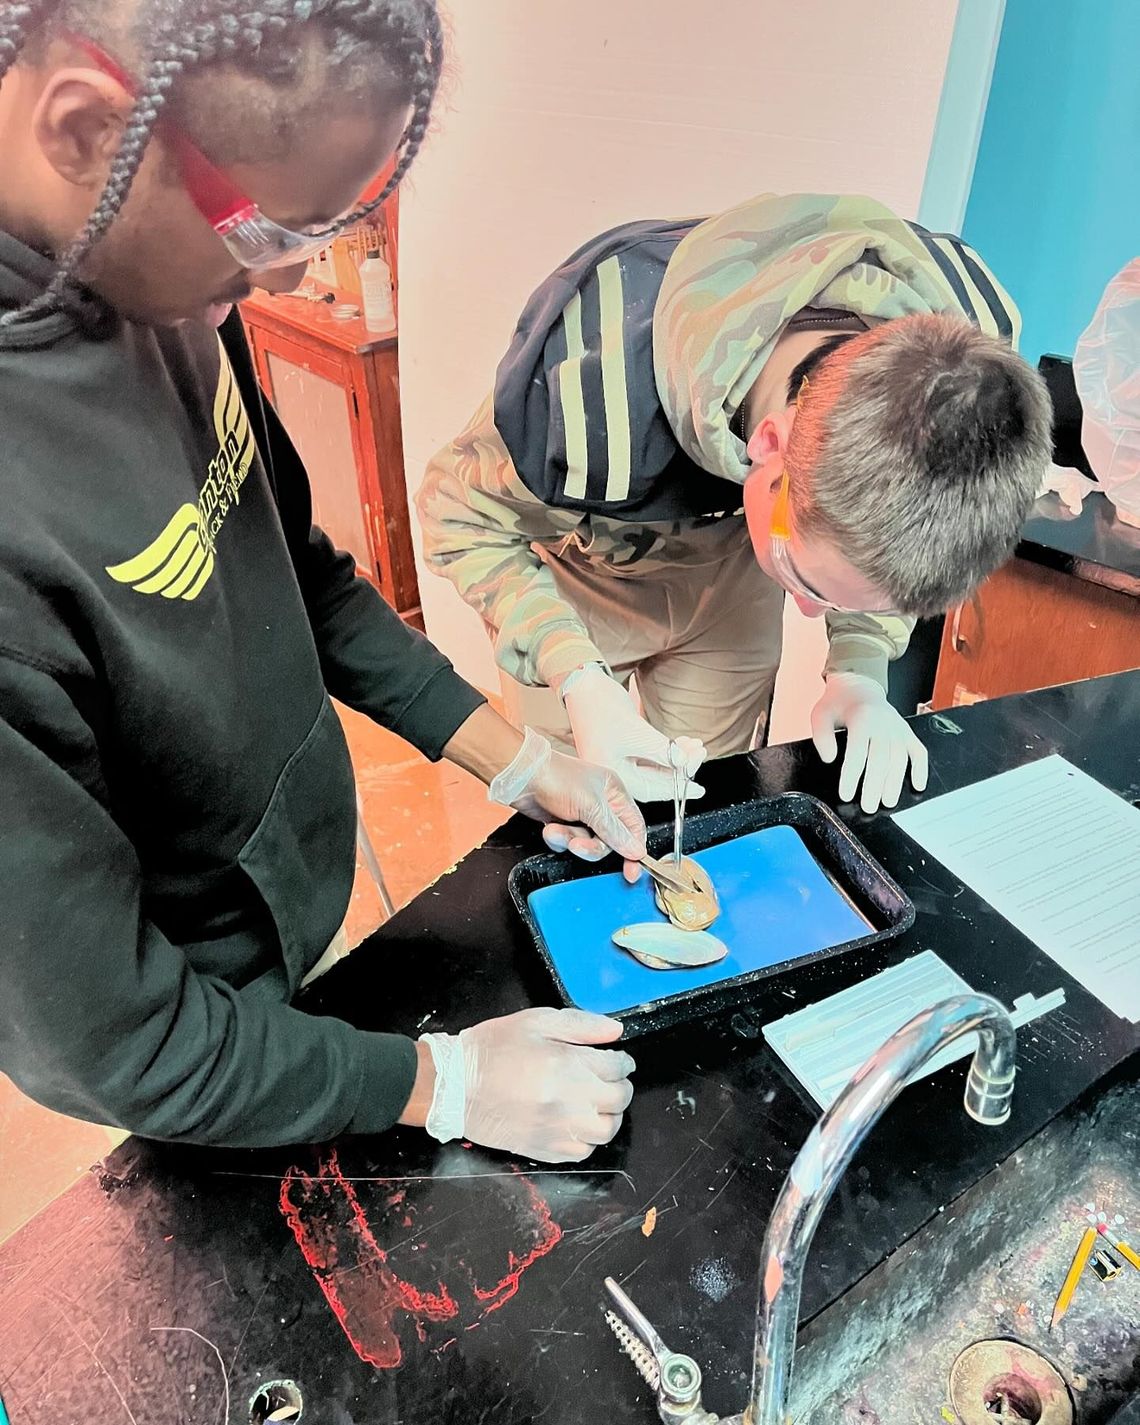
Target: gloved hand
[
  {"x": 610, "y": 731},
  {"x": 880, "y": 744},
  {"x": 594, "y": 813},
  {"x": 530, "y": 1084}
]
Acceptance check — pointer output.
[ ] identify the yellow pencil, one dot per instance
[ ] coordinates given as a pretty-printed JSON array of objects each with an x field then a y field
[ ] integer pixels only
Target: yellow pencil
[
  {"x": 1122, "y": 1247},
  {"x": 1080, "y": 1262}
]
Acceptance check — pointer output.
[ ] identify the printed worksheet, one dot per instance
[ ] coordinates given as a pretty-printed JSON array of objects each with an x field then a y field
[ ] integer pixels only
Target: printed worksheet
[{"x": 1058, "y": 855}]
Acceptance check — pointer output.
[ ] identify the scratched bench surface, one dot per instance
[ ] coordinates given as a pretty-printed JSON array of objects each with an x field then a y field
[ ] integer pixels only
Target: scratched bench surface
[{"x": 400, "y": 1281}]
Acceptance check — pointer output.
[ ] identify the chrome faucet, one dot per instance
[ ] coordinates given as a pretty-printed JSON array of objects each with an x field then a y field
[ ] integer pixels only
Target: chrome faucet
[{"x": 820, "y": 1164}]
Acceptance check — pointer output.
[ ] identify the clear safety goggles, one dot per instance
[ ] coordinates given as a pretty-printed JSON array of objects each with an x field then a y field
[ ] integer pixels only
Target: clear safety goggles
[
  {"x": 780, "y": 548},
  {"x": 780, "y": 543},
  {"x": 252, "y": 239}
]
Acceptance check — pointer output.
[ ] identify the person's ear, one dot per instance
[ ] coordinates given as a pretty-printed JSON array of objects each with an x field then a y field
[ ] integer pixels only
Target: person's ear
[
  {"x": 78, "y": 123},
  {"x": 770, "y": 438}
]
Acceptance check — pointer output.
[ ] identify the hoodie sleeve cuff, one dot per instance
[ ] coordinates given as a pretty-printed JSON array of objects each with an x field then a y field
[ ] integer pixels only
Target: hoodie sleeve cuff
[
  {"x": 387, "y": 1074},
  {"x": 856, "y": 653},
  {"x": 562, "y": 652},
  {"x": 437, "y": 712}
]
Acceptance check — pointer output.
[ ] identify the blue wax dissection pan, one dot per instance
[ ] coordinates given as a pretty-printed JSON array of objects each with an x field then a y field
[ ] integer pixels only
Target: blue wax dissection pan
[{"x": 794, "y": 886}]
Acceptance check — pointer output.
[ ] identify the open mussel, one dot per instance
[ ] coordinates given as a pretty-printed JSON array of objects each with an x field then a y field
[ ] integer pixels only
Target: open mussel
[{"x": 668, "y": 947}]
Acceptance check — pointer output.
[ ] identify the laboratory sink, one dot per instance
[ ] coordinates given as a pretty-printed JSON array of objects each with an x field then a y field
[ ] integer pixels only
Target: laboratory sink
[{"x": 955, "y": 1325}]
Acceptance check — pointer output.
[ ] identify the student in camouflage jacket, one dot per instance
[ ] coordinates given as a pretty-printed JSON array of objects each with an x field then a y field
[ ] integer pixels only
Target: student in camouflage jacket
[{"x": 803, "y": 396}]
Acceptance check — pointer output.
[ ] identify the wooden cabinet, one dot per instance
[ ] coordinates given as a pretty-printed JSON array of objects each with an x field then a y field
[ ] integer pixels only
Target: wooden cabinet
[
  {"x": 336, "y": 387},
  {"x": 1031, "y": 626}
]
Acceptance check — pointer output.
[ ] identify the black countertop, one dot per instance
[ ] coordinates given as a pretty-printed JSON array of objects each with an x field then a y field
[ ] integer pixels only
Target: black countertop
[
  {"x": 405, "y": 1283},
  {"x": 1095, "y": 545}
]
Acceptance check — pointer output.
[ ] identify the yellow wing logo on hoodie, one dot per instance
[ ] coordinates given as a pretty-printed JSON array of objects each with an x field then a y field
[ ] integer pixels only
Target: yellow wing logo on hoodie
[
  {"x": 178, "y": 563},
  {"x": 175, "y": 565}
]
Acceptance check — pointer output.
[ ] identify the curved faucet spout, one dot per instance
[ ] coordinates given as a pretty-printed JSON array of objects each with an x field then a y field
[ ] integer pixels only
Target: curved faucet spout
[{"x": 830, "y": 1147}]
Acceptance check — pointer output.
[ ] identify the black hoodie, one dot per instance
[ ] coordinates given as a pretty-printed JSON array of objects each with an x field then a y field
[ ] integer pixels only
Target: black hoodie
[{"x": 177, "y": 815}]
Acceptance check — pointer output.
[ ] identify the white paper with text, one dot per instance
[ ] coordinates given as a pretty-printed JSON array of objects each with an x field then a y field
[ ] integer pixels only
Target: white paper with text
[{"x": 1058, "y": 855}]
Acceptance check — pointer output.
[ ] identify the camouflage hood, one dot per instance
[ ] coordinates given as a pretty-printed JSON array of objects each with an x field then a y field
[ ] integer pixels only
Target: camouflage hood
[{"x": 736, "y": 280}]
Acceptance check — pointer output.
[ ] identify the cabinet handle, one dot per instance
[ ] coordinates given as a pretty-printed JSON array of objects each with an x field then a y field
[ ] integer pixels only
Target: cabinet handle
[
  {"x": 378, "y": 534},
  {"x": 957, "y": 642},
  {"x": 375, "y": 533}
]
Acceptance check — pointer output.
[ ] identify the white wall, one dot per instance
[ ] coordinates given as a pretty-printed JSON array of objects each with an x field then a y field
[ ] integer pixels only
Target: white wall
[{"x": 566, "y": 119}]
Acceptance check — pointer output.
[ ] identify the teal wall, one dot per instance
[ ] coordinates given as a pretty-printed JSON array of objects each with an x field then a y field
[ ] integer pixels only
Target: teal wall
[{"x": 1054, "y": 207}]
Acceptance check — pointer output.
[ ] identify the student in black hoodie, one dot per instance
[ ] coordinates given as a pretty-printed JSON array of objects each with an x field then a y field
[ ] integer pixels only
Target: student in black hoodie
[{"x": 177, "y": 819}]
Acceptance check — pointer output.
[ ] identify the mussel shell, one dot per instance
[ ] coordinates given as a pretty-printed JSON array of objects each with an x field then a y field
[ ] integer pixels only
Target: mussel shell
[
  {"x": 666, "y": 947},
  {"x": 689, "y": 910}
]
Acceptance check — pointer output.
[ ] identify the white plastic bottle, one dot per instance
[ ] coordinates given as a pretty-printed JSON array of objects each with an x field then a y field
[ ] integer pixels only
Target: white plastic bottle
[
  {"x": 321, "y": 268},
  {"x": 376, "y": 293}
]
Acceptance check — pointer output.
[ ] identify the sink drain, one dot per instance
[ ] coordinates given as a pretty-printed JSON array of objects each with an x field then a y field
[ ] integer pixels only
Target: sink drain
[
  {"x": 278, "y": 1400},
  {"x": 1006, "y": 1383}
]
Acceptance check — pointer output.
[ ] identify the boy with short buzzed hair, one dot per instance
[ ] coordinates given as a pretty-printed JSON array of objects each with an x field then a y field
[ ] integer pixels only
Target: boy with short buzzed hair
[{"x": 804, "y": 395}]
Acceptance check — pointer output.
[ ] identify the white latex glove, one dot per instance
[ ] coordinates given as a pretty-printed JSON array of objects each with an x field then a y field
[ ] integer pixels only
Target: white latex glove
[
  {"x": 530, "y": 1083},
  {"x": 880, "y": 744},
  {"x": 586, "y": 809},
  {"x": 610, "y": 731},
  {"x": 1069, "y": 485}
]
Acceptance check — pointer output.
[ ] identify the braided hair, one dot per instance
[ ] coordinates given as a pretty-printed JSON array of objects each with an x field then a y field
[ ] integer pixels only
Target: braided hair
[
  {"x": 16, "y": 23},
  {"x": 180, "y": 37}
]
